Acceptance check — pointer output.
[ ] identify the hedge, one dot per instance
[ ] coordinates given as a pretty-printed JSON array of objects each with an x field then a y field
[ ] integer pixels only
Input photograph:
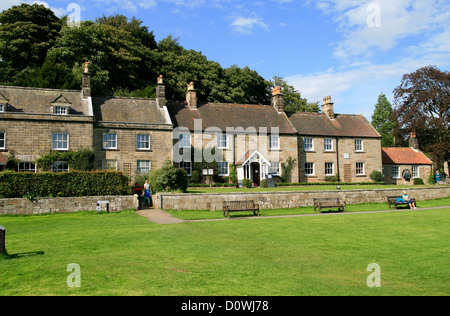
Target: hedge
[{"x": 64, "y": 184}]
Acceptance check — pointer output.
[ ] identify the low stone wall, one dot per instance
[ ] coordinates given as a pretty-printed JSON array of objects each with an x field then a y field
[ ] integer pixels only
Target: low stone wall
[
  {"x": 64, "y": 205},
  {"x": 280, "y": 200}
]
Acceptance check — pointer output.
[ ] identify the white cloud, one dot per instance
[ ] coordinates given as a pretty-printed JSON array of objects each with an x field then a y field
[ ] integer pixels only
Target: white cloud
[
  {"x": 6, "y": 4},
  {"x": 245, "y": 25},
  {"x": 399, "y": 20}
]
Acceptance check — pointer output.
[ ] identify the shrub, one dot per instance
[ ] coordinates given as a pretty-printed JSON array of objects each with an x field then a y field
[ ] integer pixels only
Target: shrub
[
  {"x": 418, "y": 181},
  {"x": 195, "y": 177},
  {"x": 64, "y": 184},
  {"x": 168, "y": 179},
  {"x": 376, "y": 176},
  {"x": 431, "y": 179},
  {"x": 247, "y": 183}
]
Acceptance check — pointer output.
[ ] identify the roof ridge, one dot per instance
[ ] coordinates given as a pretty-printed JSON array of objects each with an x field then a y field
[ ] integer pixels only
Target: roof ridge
[{"x": 41, "y": 89}]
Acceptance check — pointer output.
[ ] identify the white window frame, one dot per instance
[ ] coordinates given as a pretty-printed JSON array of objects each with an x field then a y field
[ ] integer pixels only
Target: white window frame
[
  {"x": 186, "y": 166},
  {"x": 396, "y": 172},
  {"x": 60, "y": 110},
  {"x": 274, "y": 168},
  {"x": 222, "y": 141},
  {"x": 223, "y": 165},
  {"x": 60, "y": 141},
  {"x": 312, "y": 167},
  {"x": 415, "y": 173},
  {"x": 109, "y": 164},
  {"x": 358, "y": 168},
  {"x": 359, "y": 145},
  {"x": 2, "y": 107},
  {"x": 329, "y": 144},
  {"x": 182, "y": 138},
  {"x": 3, "y": 140},
  {"x": 308, "y": 144},
  {"x": 143, "y": 169},
  {"x": 109, "y": 140},
  {"x": 274, "y": 142},
  {"x": 59, "y": 163},
  {"x": 143, "y": 144},
  {"x": 21, "y": 166},
  {"x": 327, "y": 168}
]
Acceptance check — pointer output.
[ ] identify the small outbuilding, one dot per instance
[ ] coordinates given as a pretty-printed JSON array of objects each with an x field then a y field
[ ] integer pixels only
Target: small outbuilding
[{"x": 399, "y": 162}]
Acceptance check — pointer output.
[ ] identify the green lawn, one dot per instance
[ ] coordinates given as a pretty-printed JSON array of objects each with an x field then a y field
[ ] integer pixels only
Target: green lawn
[
  {"x": 125, "y": 254},
  {"x": 206, "y": 214}
]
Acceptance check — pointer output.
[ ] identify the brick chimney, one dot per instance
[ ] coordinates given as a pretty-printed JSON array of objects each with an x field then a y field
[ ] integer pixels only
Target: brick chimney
[
  {"x": 86, "y": 81},
  {"x": 191, "y": 96},
  {"x": 413, "y": 141},
  {"x": 278, "y": 99},
  {"x": 161, "y": 92},
  {"x": 327, "y": 107}
]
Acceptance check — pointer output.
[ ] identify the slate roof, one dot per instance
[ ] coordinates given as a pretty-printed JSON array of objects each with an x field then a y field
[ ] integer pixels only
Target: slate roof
[
  {"x": 404, "y": 156},
  {"x": 344, "y": 125},
  {"x": 41, "y": 101},
  {"x": 223, "y": 115},
  {"x": 128, "y": 110}
]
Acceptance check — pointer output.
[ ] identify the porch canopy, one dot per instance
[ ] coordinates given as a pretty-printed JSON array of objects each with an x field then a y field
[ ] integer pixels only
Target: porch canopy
[{"x": 254, "y": 166}]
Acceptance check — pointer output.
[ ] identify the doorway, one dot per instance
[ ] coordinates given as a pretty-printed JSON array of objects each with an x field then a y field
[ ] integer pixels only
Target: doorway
[{"x": 256, "y": 173}]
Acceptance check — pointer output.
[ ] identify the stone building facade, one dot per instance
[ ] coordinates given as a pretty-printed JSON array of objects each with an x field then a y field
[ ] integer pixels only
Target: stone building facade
[
  {"x": 127, "y": 134},
  {"x": 136, "y": 135}
]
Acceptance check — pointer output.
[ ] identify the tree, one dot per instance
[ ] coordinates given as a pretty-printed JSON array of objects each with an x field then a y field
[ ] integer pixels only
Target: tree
[
  {"x": 422, "y": 106},
  {"x": 293, "y": 100},
  {"x": 27, "y": 32},
  {"x": 381, "y": 120},
  {"x": 120, "y": 53}
]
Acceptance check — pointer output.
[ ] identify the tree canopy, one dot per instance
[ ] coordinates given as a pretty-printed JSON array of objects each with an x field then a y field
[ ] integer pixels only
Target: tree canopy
[
  {"x": 422, "y": 105},
  {"x": 381, "y": 120},
  {"x": 40, "y": 50}
]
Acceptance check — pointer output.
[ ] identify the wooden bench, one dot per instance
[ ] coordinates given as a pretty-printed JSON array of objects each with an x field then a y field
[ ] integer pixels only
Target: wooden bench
[
  {"x": 392, "y": 201},
  {"x": 322, "y": 203},
  {"x": 240, "y": 206}
]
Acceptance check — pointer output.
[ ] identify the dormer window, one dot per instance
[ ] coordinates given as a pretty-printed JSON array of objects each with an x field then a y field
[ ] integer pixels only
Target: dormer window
[{"x": 60, "y": 110}]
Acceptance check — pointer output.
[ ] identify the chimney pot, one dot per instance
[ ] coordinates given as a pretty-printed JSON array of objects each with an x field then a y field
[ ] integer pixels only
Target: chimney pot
[
  {"x": 86, "y": 82},
  {"x": 327, "y": 107},
  {"x": 191, "y": 96},
  {"x": 161, "y": 92},
  {"x": 278, "y": 99}
]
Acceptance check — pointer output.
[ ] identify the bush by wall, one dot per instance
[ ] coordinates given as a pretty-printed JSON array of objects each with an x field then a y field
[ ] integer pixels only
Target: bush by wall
[
  {"x": 64, "y": 184},
  {"x": 168, "y": 179}
]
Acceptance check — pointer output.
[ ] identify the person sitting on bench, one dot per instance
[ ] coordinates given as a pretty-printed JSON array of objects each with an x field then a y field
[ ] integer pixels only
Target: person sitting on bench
[{"x": 405, "y": 197}]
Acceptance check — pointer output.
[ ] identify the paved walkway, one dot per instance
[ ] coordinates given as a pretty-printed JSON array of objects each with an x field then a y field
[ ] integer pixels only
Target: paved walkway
[{"x": 162, "y": 217}]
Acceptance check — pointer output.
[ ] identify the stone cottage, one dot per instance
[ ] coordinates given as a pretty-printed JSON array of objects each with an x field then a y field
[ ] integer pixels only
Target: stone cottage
[
  {"x": 397, "y": 161},
  {"x": 127, "y": 134},
  {"x": 335, "y": 146}
]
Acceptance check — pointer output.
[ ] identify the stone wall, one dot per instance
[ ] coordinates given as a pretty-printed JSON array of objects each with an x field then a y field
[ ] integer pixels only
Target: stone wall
[
  {"x": 276, "y": 200},
  {"x": 64, "y": 205}
]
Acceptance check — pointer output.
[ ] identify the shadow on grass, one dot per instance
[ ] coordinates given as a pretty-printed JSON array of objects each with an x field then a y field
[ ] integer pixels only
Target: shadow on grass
[{"x": 7, "y": 256}]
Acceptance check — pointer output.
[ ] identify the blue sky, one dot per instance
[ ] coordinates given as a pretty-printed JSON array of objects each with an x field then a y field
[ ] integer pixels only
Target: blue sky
[{"x": 350, "y": 49}]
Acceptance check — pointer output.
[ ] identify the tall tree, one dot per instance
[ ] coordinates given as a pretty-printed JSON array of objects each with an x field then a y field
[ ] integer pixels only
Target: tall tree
[
  {"x": 422, "y": 105},
  {"x": 26, "y": 34},
  {"x": 293, "y": 100},
  {"x": 381, "y": 120}
]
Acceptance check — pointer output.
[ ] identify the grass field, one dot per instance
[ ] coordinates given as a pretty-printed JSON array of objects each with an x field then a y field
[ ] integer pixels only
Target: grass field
[{"x": 125, "y": 254}]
